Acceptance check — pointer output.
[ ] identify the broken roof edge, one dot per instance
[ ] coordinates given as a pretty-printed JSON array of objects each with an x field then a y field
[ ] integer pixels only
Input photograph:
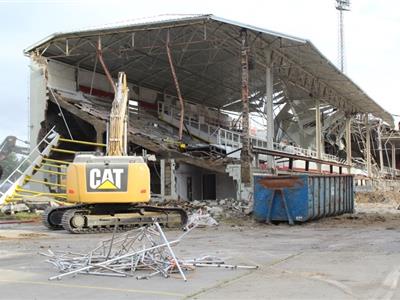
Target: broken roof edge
[{"x": 386, "y": 116}]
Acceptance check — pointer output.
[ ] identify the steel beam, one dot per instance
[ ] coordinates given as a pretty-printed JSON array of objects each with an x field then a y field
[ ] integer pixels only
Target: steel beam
[
  {"x": 178, "y": 90},
  {"x": 162, "y": 179},
  {"x": 318, "y": 140},
  {"x": 394, "y": 158},
  {"x": 348, "y": 142},
  {"x": 380, "y": 145},
  {"x": 269, "y": 108},
  {"x": 368, "y": 146}
]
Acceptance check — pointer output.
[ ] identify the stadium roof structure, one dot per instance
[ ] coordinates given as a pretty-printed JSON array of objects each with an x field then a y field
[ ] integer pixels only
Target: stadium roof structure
[{"x": 206, "y": 50}]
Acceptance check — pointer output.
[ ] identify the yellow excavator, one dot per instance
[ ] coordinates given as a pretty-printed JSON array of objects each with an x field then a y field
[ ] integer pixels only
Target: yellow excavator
[{"x": 110, "y": 192}]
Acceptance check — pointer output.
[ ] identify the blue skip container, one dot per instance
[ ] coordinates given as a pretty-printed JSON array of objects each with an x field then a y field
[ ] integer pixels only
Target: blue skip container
[{"x": 302, "y": 198}]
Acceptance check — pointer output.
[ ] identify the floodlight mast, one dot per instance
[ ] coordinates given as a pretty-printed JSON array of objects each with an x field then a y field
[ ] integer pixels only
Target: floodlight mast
[{"x": 341, "y": 6}]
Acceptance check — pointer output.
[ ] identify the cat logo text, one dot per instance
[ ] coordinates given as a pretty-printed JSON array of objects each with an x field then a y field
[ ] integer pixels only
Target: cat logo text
[{"x": 106, "y": 179}]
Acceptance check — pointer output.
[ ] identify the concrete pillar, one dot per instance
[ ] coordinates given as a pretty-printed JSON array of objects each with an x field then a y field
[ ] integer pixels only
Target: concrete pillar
[
  {"x": 380, "y": 146},
  {"x": 245, "y": 154},
  {"x": 269, "y": 108},
  {"x": 162, "y": 179},
  {"x": 37, "y": 97},
  {"x": 99, "y": 138},
  {"x": 368, "y": 146},
  {"x": 348, "y": 143},
  {"x": 393, "y": 157},
  {"x": 174, "y": 194},
  {"x": 256, "y": 161},
  {"x": 318, "y": 140},
  {"x": 37, "y": 110}
]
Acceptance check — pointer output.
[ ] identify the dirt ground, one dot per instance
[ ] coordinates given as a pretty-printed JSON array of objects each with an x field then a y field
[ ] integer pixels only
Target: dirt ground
[{"x": 354, "y": 256}]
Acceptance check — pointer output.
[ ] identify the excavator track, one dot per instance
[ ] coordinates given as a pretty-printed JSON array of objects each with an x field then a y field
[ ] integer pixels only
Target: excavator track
[
  {"x": 52, "y": 216},
  {"x": 92, "y": 219}
]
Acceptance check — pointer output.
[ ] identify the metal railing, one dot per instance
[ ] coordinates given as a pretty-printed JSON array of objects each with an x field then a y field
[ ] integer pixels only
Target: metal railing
[
  {"x": 225, "y": 137},
  {"x": 391, "y": 171},
  {"x": 28, "y": 165}
]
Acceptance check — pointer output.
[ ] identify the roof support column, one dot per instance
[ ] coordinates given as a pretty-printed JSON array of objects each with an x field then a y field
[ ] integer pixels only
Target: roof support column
[
  {"x": 162, "y": 179},
  {"x": 394, "y": 159},
  {"x": 368, "y": 146},
  {"x": 318, "y": 139},
  {"x": 99, "y": 137},
  {"x": 245, "y": 154},
  {"x": 178, "y": 90},
  {"x": 380, "y": 146},
  {"x": 348, "y": 143},
  {"x": 269, "y": 108},
  {"x": 174, "y": 192}
]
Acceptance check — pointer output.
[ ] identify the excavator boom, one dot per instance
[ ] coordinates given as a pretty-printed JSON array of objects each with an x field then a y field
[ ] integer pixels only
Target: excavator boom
[{"x": 118, "y": 119}]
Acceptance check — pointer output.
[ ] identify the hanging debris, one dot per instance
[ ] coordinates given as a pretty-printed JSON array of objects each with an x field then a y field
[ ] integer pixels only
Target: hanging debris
[{"x": 143, "y": 252}]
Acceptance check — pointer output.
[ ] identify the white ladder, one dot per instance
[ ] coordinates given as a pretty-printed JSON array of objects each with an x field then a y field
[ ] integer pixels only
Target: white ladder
[{"x": 34, "y": 159}]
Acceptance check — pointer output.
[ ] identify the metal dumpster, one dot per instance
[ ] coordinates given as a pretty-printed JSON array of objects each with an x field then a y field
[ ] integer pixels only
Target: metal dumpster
[{"x": 302, "y": 198}]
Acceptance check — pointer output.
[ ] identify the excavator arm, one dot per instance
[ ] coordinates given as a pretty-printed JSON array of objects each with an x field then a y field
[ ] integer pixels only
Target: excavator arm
[{"x": 117, "y": 137}]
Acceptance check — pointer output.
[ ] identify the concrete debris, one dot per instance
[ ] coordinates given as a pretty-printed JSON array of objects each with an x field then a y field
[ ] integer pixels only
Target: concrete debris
[
  {"x": 378, "y": 197},
  {"x": 27, "y": 204},
  {"x": 218, "y": 209},
  {"x": 14, "y": 208},
  {"x": 144, "y": 253},
  {"x": 202, "y": 219},
  {"x": 196, "y": 203}
]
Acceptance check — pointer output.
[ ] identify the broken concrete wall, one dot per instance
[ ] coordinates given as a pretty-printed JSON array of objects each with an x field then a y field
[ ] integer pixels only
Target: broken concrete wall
[
  {"x": 61, "y": 76},
  {"x": 224, "y": 185},
  {"x": 69, "y": 78},
  {"x": 37, "y": 107},
  {"x": 37, "y": 98},
  {"x": 52, "y": 80},
  {"x": 183, "y": 172}
]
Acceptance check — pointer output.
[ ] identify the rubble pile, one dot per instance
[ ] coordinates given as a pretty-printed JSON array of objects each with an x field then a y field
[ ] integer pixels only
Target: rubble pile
[
  {"x": 378, "y": 198},
  {"x": 29, "y": 204},
  {"x": 144, "y": 252},
  {"x": 217, "y": 209}
]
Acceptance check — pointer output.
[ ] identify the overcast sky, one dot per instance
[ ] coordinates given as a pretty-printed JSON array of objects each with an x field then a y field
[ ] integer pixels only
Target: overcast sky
[{"x": 372, "y": 33}]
